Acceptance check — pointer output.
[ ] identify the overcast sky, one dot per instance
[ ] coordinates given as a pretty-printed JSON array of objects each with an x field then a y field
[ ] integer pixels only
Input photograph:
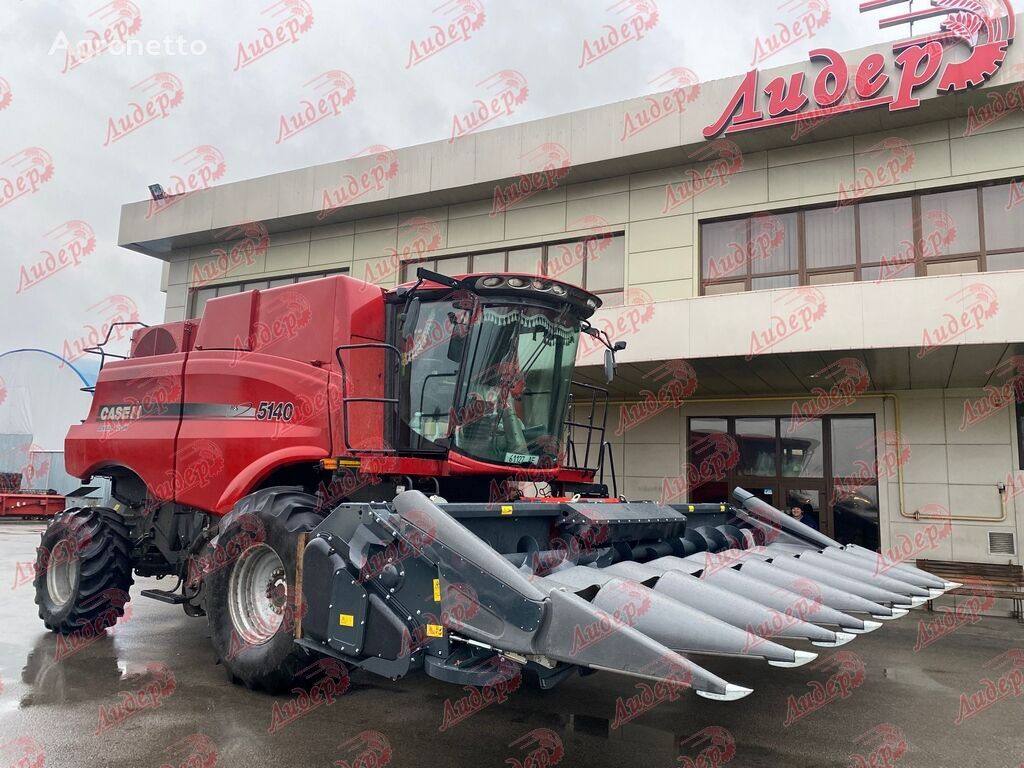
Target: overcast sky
[{"x": 237, "y": 109}]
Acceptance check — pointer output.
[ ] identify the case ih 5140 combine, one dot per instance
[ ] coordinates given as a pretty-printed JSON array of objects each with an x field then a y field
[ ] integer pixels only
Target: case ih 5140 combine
[{"x": 252, "y": 454}]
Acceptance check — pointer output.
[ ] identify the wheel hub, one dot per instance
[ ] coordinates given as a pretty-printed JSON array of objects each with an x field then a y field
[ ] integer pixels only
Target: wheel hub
[
  {"x": 62, "y": 573},
  {"x": 258, "y": 594}
]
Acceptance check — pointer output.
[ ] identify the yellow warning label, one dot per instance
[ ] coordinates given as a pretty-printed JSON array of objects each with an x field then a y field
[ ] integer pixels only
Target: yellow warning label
[
  {"x": 346, "y": 619},
  {"x": 437, "y": 590},
  {"x": 506, "y": 509},
  {"x": 435, "y": 630},
  {"x": 691, "y": 507}
]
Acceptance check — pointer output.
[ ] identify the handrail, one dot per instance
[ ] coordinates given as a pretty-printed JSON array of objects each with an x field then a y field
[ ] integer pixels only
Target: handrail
[{"x": 345, "y": 399}]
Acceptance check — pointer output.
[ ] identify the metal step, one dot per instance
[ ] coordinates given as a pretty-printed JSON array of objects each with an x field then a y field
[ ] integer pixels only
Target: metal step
[{"x": 171, "y": 598}]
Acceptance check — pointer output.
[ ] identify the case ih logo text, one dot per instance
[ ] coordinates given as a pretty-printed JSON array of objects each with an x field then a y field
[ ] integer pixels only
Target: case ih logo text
[
  {"x": 768, "y": 235},
  {"x": 996, "y": 398},
  {"x": 290, "y": 19},
  {"x": 685, "y": 90},
  {"x": 550, "y": 163},
  {"x": 850, "y": 379},
  {"x": 540, "y": 748},
  {"x": 367, "y": 749},
  {"x": 973, "y": 307},
  {"x": 333, "y": 90},
  {"x": 74, "y": 239},
  {"x": 118, "y": 20},
  {"x": 23, "y": 173},
  {"x": 875, "y": 80},
  {"x": 634, "y": 19},
  {"x": 848, "y": 676},
  {"x": 672, "y": 393},
  {"x": 716, "y": 746},
  {"x": 797, "y": 20},
  {"x": 160, "y": 94},
  {"x": 503, "y": 680},
  {"x": 200, "y": 167},
  {"x": 459, "y": 20},
  {"x": 714, "y": 176},
  {"x": 806, "y": 307},
  {"x": 507, "y": 89},
  {"x": 373, "y": 178}
]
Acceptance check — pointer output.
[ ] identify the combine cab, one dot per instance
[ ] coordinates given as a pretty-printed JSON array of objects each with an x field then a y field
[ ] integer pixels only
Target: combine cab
[{"x": 403, "y": 480}]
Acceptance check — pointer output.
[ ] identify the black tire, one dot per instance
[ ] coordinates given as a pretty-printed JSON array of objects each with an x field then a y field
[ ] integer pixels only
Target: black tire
[
  {"x": 95, "y": 542},
  {"x": 274, "y": 518}
]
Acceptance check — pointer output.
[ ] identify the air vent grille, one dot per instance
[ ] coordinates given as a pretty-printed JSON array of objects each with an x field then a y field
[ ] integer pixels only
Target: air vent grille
[{"x": 1002, "y": 543}]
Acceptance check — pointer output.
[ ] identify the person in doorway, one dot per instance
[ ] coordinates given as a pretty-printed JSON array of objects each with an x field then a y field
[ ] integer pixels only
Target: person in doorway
[{"x": 804, "y": 513}]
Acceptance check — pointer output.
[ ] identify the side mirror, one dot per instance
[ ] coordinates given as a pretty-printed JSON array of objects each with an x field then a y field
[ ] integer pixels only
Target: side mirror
[
  {"x": 609, "y": 365},
  {"x": 411, "y": 316},
  {"x": 456, "y": 347}
]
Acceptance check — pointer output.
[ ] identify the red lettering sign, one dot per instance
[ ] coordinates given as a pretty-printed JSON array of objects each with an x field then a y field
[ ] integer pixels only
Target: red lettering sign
[{"x": 986, "y": 30}]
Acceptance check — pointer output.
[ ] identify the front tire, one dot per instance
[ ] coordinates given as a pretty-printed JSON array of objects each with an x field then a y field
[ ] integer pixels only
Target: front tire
[
  {"x": 83, "y": 569},
  {"x": 251, "y": 597}
]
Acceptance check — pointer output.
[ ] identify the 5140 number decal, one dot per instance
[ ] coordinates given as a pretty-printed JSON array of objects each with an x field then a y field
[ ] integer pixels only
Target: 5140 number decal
[{"x": 270, "y": 410}]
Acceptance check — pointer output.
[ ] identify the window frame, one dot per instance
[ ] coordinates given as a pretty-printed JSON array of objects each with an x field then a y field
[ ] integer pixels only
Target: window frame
[
  {"x": 804, "y": 274},
  {"x": 407, "y": 266}
]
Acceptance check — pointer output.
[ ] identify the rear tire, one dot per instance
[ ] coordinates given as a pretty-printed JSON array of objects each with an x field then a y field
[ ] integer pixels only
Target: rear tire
[
  {"x": 83, "y": 570},
  {"x": 250, "y": 599}
]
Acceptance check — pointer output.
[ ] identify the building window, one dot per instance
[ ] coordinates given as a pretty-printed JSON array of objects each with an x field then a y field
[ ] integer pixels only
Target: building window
[
  {"x": 597, "y": 263},
  {"x": 976, "y": 229},
  {"x": 199, "y": 296},
  {"x": 826, "y": 466}
]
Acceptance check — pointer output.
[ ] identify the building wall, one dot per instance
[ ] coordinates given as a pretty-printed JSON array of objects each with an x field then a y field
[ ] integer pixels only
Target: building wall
[
  {"x": 959, "y": 469},
  {"x": 956, "y": 469},
  {"x": 662, "y": 257}
]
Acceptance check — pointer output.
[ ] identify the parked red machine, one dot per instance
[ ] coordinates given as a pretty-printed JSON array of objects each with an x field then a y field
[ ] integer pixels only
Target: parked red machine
[{"x": 317, "y": 464}]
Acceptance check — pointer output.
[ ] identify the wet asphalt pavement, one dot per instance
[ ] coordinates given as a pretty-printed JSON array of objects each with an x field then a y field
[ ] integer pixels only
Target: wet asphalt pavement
[{"x": 149, "y": 694}]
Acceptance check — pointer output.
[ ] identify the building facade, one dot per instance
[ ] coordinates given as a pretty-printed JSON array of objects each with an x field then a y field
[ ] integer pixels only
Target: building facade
[{"x": 823, "y": 303}]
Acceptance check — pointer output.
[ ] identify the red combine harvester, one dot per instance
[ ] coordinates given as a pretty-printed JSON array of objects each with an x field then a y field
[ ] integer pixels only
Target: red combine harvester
[{"x": 407, "y": 480}]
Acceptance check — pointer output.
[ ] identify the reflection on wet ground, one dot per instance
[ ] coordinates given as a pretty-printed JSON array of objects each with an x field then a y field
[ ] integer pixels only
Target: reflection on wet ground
[{"x": 150, "y": 694}]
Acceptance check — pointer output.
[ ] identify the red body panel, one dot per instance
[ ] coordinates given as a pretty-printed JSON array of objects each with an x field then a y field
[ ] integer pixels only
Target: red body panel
[
  {"x": 203, "y": 427},
  {"x": 203, "y": 412}
]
